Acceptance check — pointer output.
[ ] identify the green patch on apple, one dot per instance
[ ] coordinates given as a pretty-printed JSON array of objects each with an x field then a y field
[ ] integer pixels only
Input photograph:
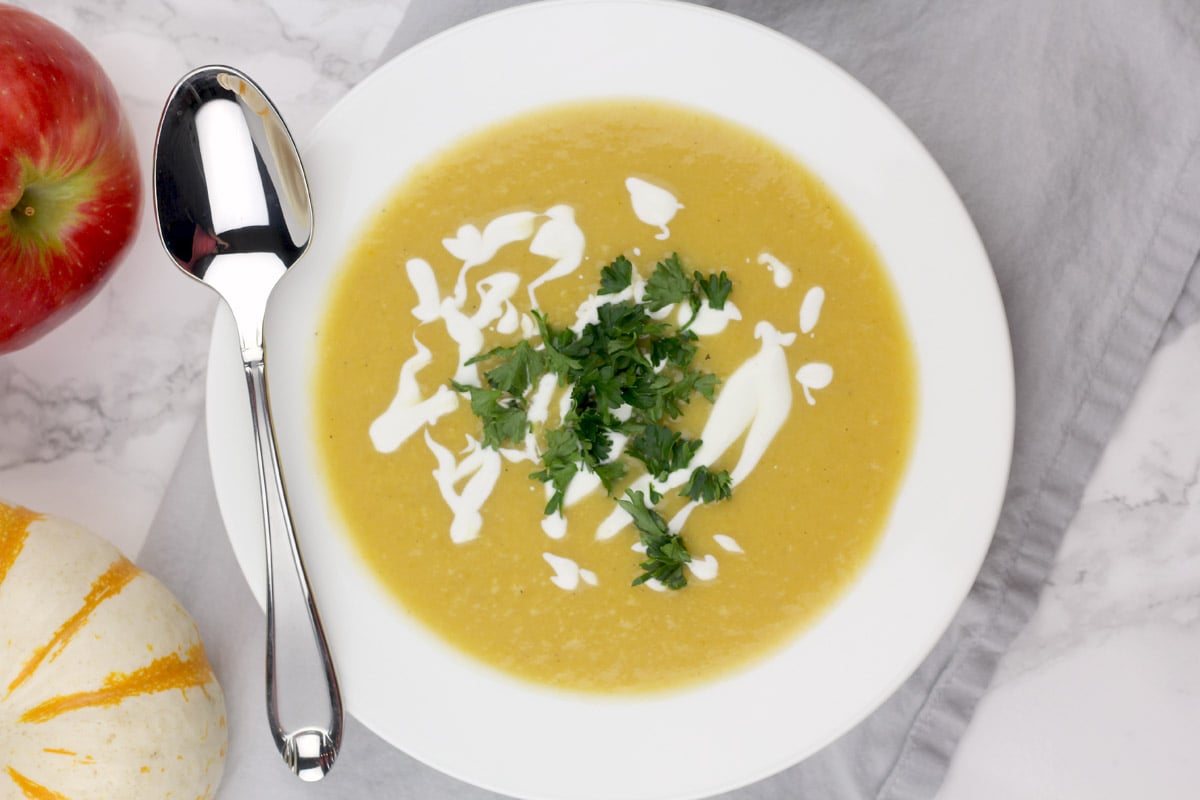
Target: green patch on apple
[{"x": 47, "y": 209}]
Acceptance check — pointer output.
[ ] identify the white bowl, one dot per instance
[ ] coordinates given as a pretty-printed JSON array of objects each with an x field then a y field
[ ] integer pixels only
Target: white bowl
[{"x": 483, "y": 726}]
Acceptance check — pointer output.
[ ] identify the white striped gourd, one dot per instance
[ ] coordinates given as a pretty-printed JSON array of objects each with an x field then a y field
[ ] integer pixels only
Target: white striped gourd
[{"x": 105, "y": 690}]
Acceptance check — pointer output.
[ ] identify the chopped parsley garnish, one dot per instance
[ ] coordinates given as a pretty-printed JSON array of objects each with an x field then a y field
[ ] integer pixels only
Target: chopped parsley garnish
[
  {"x": 617, "y": 276},
  {"x": 665, "y": 551},
  {"x": 708, "y": 487},
  {"x": 669, "y": 284},
  {"x": 716, "y": 288},
  {"x": 560, "y": 462},
  {"x": 519, "y": 368},
  {"x": 630, "y": 374},
  {"x": 503, "y": 416},
  {"x": 662, "y": 450}
]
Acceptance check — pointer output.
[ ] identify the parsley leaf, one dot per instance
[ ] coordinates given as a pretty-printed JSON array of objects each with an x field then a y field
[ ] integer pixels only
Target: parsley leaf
[
  {"x": 706, "y": 385},
  {"x": 520, "y": 366},
  {"x": 616, "y": 277},
  {"x": 666, "y": 552},
  {"x": 716, "y": 288},
  {"x": 609, "y": 473},
  {"x": 503, "y": 417},
  {"x": 678, "y": 350},
  {"x": 662, "y": 450},
  {"x": 669, "y": 284},
  {"x": 707, "y": 486},
  {"x": 559, "y": 465},
  {"x": 555, "y": 342},
  {"x": 595, "y": 443}
]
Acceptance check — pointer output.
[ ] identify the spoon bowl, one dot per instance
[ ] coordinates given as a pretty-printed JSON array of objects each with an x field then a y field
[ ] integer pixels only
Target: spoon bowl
[
  {"x": 230, "y": 194},
  {"x": 234, "y": 213}
]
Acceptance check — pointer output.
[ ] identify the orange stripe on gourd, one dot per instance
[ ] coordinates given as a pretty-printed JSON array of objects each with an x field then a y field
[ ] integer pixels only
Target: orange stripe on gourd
[
  {"x": 110, "y": 584},
  {"x": 161, "y": 675},
  {"x": 31, "y": 789},
  {"x": 14, "y": 529}
]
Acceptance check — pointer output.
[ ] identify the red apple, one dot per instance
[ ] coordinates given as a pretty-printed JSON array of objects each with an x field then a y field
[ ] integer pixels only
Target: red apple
[{"x": 70, "y": 190}]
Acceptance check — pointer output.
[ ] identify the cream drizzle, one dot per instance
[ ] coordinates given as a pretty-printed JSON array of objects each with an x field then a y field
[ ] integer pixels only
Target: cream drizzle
[
  {"x": 409, "y": 412},
  {"x": 780, "y": 272},
  {"x": 429, "y": 301},
  {"x": 474, "y": 248},
  {"x": 538, "y": 410},
  {"x": 727, "y": 543},
  {"x": 652, "y": 204},
  {"x": 810, "y": 309},
  {"x": 469, "y": 339},
  {"x": 510, "y": 320},
  {"x": 481, "y": 469},
  {"x": 554, "y": 526},
  {"x": 703, "y": 569},
  {"x": 564, "y": 402},
  {"x": 495, "y": 293},
  {"x": 681, "y": 516},
  {"x": 709, "y": 321},
  {"x": 528, "y": 326},
  {"x": 568, "y": 574},
  {"x": 528, "y": 451},
  {"x": 561, "y": 239},
  {"x": 813, "y": 376},
  {"x": 584, "y": 483},
  {"x": 756, "y": 399}
]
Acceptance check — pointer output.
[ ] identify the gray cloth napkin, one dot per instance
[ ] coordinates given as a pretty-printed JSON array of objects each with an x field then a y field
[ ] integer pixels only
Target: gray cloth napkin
[{"x": 1070, "y": 130}]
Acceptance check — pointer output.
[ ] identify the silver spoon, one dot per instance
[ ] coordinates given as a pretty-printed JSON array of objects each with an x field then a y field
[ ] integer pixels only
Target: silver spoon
[{"x": 234, "y": 212}]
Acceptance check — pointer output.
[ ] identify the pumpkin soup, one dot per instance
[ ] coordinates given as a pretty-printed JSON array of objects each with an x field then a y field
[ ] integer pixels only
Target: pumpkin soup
[{"x": 614, "y": 396}]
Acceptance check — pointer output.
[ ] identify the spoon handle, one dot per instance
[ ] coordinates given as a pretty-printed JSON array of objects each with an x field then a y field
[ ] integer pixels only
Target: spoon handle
[{"x": 309, "y": 752}]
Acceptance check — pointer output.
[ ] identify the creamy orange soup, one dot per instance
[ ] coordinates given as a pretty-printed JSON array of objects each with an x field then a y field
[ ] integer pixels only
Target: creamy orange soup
[{"x": 816, "y": 373}]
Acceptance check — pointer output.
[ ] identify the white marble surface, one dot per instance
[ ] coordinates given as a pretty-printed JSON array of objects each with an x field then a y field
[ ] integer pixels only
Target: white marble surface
[
  {"x": 93, "y": 416},
  {"x": 1099, "y": 697}
]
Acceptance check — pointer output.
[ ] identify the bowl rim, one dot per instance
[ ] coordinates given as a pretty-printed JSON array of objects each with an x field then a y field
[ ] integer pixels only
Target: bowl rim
[{"x": 981, "y": 313}]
